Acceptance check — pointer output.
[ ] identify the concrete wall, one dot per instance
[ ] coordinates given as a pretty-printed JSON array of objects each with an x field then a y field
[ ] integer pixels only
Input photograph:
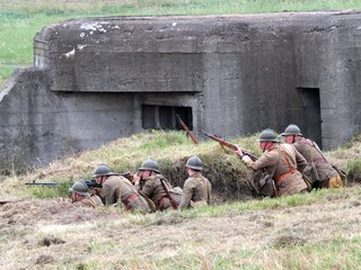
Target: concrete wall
[
  {"x": 239, "y": 74},
  {"x": 38, "y": 126}
]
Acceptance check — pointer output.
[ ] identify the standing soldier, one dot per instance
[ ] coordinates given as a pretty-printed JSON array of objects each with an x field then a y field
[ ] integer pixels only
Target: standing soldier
[
  {"x": 118, "y": 190},
  {"x": 197, "y": 189},
  {"x": 80, "y": 196},
  {"x": 319, "y": 170},
  {"x": 281, "y": 161},
  {"x": 151, "y": 183}
]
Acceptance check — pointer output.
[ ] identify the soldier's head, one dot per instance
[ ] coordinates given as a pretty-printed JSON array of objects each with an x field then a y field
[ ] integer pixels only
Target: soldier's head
[
  {"x": 79, "y": 191},
  {"x": 148, "y": 168},
  {"x": 194, "y": 164},
  {"x": 267, "y": 139},
  {"x": 102, "y": 173},
  {"x": 292, "y": 133}
]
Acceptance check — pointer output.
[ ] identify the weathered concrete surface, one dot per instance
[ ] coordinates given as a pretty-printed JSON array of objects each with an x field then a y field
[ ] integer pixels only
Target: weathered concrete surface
[{"x": 239, "y": 74}]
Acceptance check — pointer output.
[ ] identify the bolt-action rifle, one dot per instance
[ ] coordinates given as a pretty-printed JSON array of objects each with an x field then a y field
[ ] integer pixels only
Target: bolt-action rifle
[
  {"x": 229, "y": 145},
  {"x": 190, "y": 134},
  {"x": 90, "y": 183}
]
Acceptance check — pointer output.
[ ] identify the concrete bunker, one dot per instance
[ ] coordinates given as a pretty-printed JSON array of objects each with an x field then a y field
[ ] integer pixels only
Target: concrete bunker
[{"x": 98, "y": 79}]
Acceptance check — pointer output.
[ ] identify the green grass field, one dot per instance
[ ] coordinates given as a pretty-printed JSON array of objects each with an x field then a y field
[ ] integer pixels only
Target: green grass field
[{"x": 20, "y": 20}]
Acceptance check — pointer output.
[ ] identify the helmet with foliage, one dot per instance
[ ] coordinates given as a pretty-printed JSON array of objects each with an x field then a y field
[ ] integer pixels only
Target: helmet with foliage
[
  {"x": 292, "y": 130},
  {"x": 149, "y": 165},
  {"x": 268, "y": 135},
  {"x": 80, "y": 187},
  {"x": 194, "y": 163}
]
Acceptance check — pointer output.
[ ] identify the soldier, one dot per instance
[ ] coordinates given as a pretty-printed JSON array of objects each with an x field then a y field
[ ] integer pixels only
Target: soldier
[
  {"x": 117, "y": 190},
  {"x": 197, "y": 189},
  {"x": 151, "y": 183},
  {"x": 281, "y": 161},
  {"x": 80, "y": 196},
  {"x": 319, "y": 170}
]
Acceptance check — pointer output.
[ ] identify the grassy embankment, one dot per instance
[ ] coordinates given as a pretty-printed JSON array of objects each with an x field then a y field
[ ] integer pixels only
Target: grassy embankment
[
  {"x": 20, "y": 20},
  {"x": 317, "y": 230}
]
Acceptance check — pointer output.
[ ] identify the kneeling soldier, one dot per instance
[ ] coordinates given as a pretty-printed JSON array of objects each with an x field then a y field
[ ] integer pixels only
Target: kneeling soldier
[
  {"x": 118, "y": 190},
  {"x": 197, "y": 189},
  {"x": 319, "y": 170},
  {"x": 281, "y": 161},
  {"x": 81, "y": 196}
]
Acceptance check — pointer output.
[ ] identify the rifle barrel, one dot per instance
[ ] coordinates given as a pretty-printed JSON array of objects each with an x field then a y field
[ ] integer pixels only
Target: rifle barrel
[{"x": 42, "y": 184}]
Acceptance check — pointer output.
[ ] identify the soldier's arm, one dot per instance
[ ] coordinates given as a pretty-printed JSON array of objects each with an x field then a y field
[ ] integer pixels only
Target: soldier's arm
[
  {"x": 148, "y": 188},
  {"x": 300, "y": 160},
  {"x": 265, "y": 160},
  {"x": 187, "y": 194},
  {"x": 107, "y": 194}
]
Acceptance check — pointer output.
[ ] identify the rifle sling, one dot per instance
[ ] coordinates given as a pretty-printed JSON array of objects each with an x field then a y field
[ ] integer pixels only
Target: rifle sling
[{"x": 172, "y": 202}]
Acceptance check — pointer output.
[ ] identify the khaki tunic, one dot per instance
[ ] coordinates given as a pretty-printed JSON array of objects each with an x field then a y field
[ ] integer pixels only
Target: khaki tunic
[
  {"x": 92, "y": 201},
  {"x": 117, "y": 189},
  {"x": 196, "y": 191},
  {"x": 285, "y": 166},
  {"x": 307, "y": 149},
  {"x": 153, "y": 189}
]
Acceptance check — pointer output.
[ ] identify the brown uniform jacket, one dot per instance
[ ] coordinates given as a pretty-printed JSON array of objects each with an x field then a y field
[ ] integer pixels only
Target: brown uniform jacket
[
  {"x": 307, "y": 148},
  {"x": 117, "y": 189},
  {"x": 153, "y": 189},
  {"x": 285, "y": 161},
  {"x": 92, "y": 201},
  {"x": 196, "y": 191}
]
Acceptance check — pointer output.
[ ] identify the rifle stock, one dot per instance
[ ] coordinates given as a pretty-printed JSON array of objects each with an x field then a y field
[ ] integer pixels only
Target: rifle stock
[
  {"x": 229, "y": 145},
  {"x": 189, "y": 132}
]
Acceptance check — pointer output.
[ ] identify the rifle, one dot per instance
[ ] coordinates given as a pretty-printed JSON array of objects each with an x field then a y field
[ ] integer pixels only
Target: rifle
[
  {"x": 229, "y": 145},
  {"x": 172, "y": 202},
  {"x": 90, "y": 183},
  {"x": 189, "y": 132}
]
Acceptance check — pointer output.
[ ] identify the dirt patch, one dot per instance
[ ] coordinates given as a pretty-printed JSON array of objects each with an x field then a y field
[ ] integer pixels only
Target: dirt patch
[
  {"x": 58, "y": 211},
  {"x": 51, "y": 240}
]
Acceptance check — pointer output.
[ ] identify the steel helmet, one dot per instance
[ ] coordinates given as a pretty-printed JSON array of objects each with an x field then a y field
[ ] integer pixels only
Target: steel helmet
[
  {"x": 292, "y": 130},
  {"x": 80, "y": 187},
  {"x": 149, "y": 165},
  {"x": 103, "y": 170},
  {"x": 194, "y": 163},
  {"x": 268, "y": 135}
]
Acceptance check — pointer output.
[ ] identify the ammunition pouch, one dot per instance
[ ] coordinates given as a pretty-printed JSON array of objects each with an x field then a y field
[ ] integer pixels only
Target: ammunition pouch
[{"x": 263, "y": 184}]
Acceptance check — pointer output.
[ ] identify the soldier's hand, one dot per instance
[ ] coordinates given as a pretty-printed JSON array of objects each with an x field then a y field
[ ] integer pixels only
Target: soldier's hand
[
  {"x": 239, "y": 152},
  {"x": 136, "y": 178}
]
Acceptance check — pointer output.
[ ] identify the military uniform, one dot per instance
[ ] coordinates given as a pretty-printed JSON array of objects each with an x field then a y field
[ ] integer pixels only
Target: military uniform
[
  {"x": 284, "y": 161},
  {"x": 153, "y": 189},
  {"x": 196, "y": 191},
  {"x": 327, "y": 175},
  {"x": 117, "y": 189},
  {"x": 93, "y": 201}
]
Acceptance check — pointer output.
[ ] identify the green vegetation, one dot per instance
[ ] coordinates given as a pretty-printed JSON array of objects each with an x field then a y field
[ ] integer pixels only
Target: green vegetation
[
  {"x": 354, "y": 171},
  {"x": 20, "y": 20}
]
